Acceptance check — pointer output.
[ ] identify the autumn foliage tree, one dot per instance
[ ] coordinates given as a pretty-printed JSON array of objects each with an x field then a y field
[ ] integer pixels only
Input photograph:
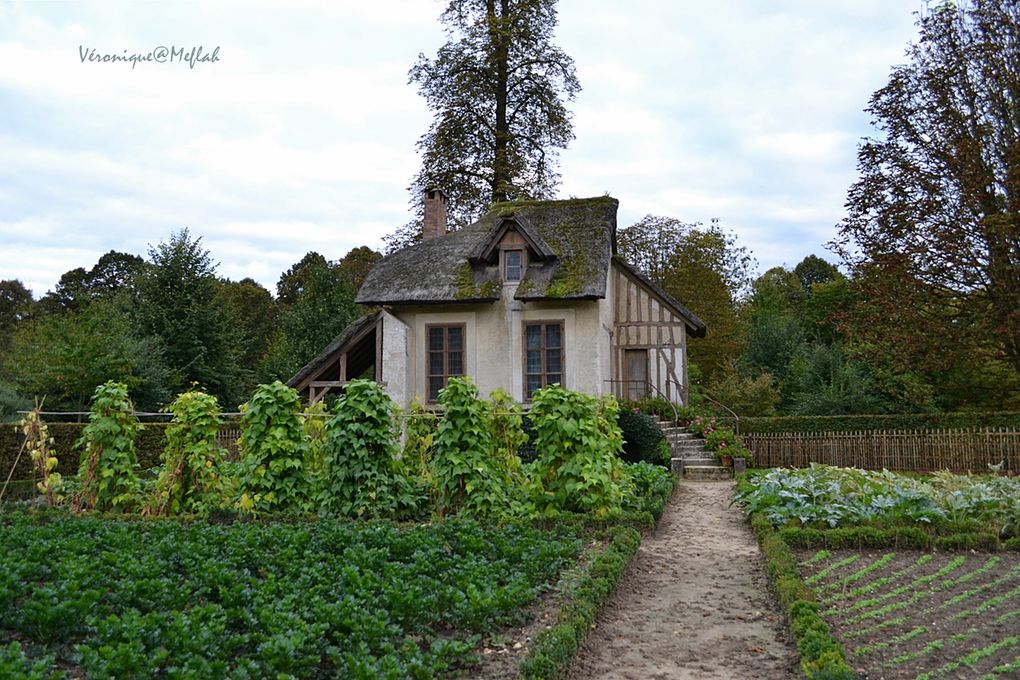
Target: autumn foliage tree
[
  {"x": 933, "y": 226},
  {"x": 704, "y": 268}
]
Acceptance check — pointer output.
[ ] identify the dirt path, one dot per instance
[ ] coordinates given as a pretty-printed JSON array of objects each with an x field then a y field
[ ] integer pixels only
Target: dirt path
[{"x": 694, "y": 603}]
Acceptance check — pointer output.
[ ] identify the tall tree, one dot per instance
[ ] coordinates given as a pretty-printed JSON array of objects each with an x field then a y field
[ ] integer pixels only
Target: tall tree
[
  {"x": 15, "y": 306},
  {"x": 934, "y": 220},
  {"x": 63, "y": 357},
  {"x": 255, "y": 316},
  {"x": 176, "y": 304},
  {"x": 114, "y": 273},
  {"x": 497, "y": 88},
  {"x": 321, "y": 304},
  {"x": 704, "y": 268}
]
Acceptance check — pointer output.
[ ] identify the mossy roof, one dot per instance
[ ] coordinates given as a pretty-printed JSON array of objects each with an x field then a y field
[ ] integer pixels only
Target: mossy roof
[{"x": 580, "y": 233}]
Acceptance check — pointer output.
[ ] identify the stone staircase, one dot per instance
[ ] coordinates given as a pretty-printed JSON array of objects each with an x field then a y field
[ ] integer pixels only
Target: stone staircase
[{"x": 690, "y": 458}]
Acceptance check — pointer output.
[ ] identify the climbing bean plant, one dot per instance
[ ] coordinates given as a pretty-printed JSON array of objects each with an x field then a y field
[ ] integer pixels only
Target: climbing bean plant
[
  {"x": 192, "y": 479},
  {"x": 466, "y": 475},
  {"x": 362, "y": 476},
  {"x": 577, "y": 438},
  {"x": 273, "y": 447},
  {"x": 507, "y": 429},
  {"x": 107, "y": 470},
  {"x": 38, "y": 442}
]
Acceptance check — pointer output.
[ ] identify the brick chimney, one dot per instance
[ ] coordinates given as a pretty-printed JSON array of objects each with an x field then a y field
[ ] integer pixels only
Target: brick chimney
[{"x": 435, "y": 214}]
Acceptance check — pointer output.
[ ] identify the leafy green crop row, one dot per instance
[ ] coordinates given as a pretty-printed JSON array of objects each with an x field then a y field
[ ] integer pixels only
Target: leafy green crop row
[
  {"x": 135, "y": 599},
  {"x": 830, "y": 496}
]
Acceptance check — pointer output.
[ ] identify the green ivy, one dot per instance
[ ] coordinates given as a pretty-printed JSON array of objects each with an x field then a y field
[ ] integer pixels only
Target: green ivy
[
  {"x": 192, "y": 479},
  {"x": 467, "y": 476},
  {"x": 577, "y": 438},
  {"x": 273, "y": 448},
  {"x": 362, "y": 477},
  {"x": 107, "y": 470}
]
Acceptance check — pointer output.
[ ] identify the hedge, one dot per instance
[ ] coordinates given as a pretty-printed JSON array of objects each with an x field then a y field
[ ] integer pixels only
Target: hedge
[
  {"x": 555, "y": 646},
  {"x": 857, "y": 423},
  {"x": 821, "y": 655},
  {"x": 149, "y": 446}
]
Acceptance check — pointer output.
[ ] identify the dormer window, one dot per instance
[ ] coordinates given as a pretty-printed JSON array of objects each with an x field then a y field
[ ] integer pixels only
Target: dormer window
[{"x": 513, "y": 265}]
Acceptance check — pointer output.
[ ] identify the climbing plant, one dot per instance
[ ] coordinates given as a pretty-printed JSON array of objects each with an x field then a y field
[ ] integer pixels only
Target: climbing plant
[
  {"x": 107, "y": 470},
  {"x": 314, "y": 420},
  {"x": 273, "y": 447},
  {"x": 362, "y": 476},
  {"x": 577, "y": 438},
  {"x": 192, "y": 479},
  {"x": 467, "y": 477},
  {"x": 38, "y": 442},
  {"x": 507, "y": 426}
]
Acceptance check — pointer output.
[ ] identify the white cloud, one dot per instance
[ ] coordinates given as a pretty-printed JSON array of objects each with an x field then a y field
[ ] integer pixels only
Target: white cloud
[{"x": 302, "y": 136}]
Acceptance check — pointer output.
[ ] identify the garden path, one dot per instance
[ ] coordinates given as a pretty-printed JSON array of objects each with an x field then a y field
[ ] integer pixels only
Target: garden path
[{"x": 694, "y": 603}]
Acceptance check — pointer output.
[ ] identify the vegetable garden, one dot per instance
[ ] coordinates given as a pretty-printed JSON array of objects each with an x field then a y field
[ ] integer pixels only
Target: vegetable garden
[
  {"x": 331, "y": 548},
  {"x": 891, "y": 576}
]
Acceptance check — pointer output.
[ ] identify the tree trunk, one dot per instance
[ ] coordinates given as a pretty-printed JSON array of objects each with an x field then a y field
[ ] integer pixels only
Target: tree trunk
[{"x": 499, "y": 32}]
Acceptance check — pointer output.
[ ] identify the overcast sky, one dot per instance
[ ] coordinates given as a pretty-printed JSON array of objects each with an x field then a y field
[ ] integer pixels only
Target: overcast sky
[{"x": 301, "y": 136}]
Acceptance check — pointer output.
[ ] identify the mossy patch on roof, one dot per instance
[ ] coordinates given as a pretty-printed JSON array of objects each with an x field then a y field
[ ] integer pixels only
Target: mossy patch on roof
[{"x": 579, "y": 231}]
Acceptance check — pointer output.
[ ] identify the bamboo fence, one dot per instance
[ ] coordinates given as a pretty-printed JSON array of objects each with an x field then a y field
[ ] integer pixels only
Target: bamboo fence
[{"x": 907, "y": 450}]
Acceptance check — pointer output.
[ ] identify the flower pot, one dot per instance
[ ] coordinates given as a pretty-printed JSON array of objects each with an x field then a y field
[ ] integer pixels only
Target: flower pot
[{"x": 726, "y": 461}]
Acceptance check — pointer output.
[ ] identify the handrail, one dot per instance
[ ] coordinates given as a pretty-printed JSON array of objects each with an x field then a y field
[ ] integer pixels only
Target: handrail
[
  {"x": 736, "y": 418},
  {"x": 648, "y": 383}
]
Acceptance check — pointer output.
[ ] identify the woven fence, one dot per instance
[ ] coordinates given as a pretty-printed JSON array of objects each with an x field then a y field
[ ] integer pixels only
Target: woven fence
[{"x": 908, "y": 450}]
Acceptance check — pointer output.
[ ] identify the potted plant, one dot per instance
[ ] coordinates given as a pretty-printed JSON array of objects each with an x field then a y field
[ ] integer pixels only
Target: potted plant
[{"x": 727, "y": 446}]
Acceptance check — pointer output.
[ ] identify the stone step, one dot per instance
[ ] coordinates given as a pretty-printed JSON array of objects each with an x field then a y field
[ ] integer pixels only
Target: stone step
[
  {"x": 707, "y": 472},
  {"x": 700, "y": 461}
]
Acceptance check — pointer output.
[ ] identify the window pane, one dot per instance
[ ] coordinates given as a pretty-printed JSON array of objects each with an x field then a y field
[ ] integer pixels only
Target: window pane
[
  {"x": 435, "y": 384},
  {"x": 455, "y": 338},
  {"x": 435, "y": 363},
  {"x": 554, "y": 378},
  {"x": 534, "y": 383},
  {"x": 513, "y": 265},
  {"x": 436, "y": 338},
  {"x": 534, "y": 336},
  {"x": 552, "y": 361},
  {"x": 455, "y": 363},
  {"x": 534, "y": 361},
  {"x": 552, "y": 335}
]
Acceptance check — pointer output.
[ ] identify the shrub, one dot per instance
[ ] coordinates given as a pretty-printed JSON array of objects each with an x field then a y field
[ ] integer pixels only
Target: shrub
[
  {"x": 725, "y": 442},
  {"x": 646, "y": 488},
  {"x": 107, "y": 470},
  {"x": 702, "y": 426},
  {"x": 578, "y": 440},
  {"x": 912, "y": 421},
  {"x": 273, "y": 448},
  {"x": 657, "y": 407},
  {"x": 641, "y": 438}
]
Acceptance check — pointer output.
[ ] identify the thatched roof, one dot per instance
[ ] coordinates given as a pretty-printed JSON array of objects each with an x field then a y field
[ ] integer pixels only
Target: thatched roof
[{"x": 572, "y": 242}]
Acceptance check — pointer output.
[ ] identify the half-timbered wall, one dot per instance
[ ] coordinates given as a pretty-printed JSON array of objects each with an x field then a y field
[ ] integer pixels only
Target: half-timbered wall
[{"x": 643, "y": 321}]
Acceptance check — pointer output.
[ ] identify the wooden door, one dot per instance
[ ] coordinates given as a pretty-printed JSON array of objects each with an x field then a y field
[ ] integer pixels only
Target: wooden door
[{"x": 636, "y": 365}]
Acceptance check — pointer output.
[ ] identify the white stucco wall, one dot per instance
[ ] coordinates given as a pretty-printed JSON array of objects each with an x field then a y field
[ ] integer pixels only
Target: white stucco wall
[{"x": 494, "y": 355}]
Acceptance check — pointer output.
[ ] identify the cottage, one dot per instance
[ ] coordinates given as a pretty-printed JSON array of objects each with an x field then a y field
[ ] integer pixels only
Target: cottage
[{"x": 531, "y": 294}]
